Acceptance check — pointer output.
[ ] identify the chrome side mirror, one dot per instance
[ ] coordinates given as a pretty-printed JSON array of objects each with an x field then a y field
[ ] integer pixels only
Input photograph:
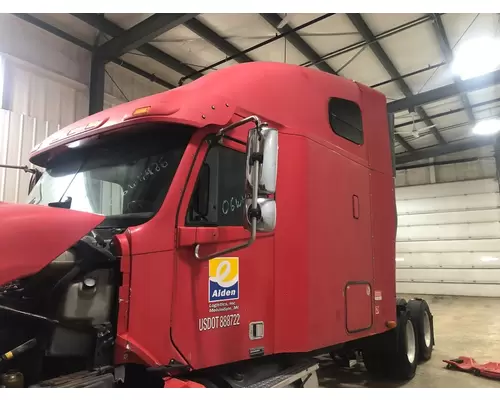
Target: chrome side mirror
[
  {"x": 262, "y": 144},
  {"x": 267, "y": 218},
  {"x": 261, "y": 176},
  {"x": 261, "y": 173}
]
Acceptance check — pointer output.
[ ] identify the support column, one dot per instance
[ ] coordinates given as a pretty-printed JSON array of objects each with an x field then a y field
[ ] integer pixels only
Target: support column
[
  {"x": 496, "y": 150},
  {"x": 96, "y": 91}
]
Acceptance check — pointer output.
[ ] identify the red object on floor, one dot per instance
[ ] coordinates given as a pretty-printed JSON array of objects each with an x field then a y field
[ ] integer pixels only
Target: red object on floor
[
  {"x": 180, "y": 384},
  {"x": 467, "y": 364}
]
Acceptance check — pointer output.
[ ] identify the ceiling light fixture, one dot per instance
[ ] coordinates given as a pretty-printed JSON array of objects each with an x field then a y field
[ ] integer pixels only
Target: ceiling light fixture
[
  {"x": 487, "y": 127},
  {"x": 477, "y": 57}
]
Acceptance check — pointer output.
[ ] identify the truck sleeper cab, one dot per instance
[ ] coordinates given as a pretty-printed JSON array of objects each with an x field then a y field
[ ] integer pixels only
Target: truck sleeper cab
[{"x": 222, "y": 252}]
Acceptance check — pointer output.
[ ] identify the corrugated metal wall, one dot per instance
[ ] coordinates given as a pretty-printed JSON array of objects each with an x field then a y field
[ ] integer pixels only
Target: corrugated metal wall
[
  {"x": 18, "y": 134},
  {"x": 39, "y": 94},
  {"x": 448, "y": 240},
  {"x": 46, "y": 80},
  {"x": 483, "y": 167},
  {"x": 39, "y": 104}
]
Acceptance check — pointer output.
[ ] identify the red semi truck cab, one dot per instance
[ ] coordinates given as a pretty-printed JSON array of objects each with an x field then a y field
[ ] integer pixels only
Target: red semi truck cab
[{"x": 172, "y": 225}]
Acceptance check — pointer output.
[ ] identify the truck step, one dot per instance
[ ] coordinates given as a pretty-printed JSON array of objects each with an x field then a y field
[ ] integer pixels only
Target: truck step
[
  {"x": 82, "y": 379},
  {"x": 289, "y": 375}
]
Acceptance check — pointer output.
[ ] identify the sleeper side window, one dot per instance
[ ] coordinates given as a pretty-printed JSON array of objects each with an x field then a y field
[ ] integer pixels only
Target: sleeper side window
[
  {"x": 345, "y": 119},
  {"x": 219, "y": 194}
]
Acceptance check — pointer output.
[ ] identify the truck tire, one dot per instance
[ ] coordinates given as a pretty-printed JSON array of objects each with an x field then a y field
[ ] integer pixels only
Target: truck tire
[
  {"x": 421, "y": 314},
  {"x": 404, "y": 364},
  {"x": 399, "y": 359}
]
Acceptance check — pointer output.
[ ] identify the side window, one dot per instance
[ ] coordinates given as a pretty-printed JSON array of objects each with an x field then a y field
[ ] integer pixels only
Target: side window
[
  {"x": 345, "y": 119},
  {"x": 219, "y": 193}
]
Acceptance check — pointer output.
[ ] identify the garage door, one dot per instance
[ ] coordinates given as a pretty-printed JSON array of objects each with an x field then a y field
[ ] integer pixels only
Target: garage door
[{"x": 448, "y": 239}]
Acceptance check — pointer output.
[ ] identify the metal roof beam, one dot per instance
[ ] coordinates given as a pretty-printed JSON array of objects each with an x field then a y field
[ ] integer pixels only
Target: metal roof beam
[
  {"x": 111, "y": 29},
  {"x": 52, "y": 29},
  {"x": 96, "y": 86},
  {"x": 444, "y": 92},
  {"x": 402, "y": 141},
  {"x": 215, "y": 40},
  {"x": 449, "y": 112},
  {"x": 144, "y": 74},
  {"x": 447, "y": 52},
  {"x": 453, "y": 147},
  {"x": 300, "y": 44},
  {"x": 382, "y": 56},
  {"x": 80, "y": 43},
  {"x": 362, "y": 43},
  {"x": 142, "y": 33},
  {"x": 259, "y": 45}
]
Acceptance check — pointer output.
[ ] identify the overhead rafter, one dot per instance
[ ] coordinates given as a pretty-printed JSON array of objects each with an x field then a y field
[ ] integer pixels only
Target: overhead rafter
[
  {"x": 142, "y": 33},
  {"x": 402, "y": 141},
  {"x": 450, "y": 112},
  {"x": 412, "y": 73},
  {"x": 80, "y": 43},
  {"x": 147, "y": 75},
  {"x": 444, "y": 92},
  {"x": 384, "y": 59},
  {"x": 439, "y": 150},
  {"x": 363, "y": 43},
  {"x": 96, "y": 86},
  {"x": 259, "y": 45},
  {"x": 444, "y": 44},
  {"x": 296, "y": 40},
  {"x": 215, "y": 40},
  {"x": 104, "y": 25}
]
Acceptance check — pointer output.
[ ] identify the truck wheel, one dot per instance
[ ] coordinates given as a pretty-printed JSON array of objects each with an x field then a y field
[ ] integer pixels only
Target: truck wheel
[
  {"x": 405, "y": 360},
  {"x": 421, "y": 314},
  {"x": 398, "y": 359}
]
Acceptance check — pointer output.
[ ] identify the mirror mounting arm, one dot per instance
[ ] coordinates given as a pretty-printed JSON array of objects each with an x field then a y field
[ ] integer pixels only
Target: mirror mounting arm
[
  {"x": 253, "y": 236},
  {"x": 255, "y": 194},
  {"x": 252, "y": 118}
]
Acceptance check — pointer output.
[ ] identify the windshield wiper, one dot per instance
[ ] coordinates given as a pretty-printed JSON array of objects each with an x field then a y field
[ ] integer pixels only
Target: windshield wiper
[{"x": 66, "y": 203}]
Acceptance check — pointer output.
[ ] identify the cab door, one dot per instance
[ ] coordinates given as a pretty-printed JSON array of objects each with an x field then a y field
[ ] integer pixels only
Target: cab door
[{"x": 223, "y": 307}]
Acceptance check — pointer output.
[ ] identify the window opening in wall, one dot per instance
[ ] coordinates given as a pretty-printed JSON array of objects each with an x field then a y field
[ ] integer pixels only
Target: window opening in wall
[{"x": 345, "y": 119}]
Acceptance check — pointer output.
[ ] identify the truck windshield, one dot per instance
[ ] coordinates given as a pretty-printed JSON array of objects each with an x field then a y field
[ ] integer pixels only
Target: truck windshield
[{"x": 124, "y": 175}]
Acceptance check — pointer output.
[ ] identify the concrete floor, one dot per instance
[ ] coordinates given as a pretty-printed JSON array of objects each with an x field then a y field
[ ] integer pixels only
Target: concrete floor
[{"x": 463, "y": 327}]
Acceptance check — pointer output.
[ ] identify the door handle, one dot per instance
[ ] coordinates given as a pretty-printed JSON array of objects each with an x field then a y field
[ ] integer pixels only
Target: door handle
[{"x": 355, "y": 206}]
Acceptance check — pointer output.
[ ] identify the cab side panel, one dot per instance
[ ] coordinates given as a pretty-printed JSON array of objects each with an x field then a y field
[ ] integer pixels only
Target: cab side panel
[
  {"x": 339, "y": 255},
  {"x": 291, "y": 277},
  {"x": 384, "y": 249},
  {"x": 383, "y": 204},
  {"x": 215, "y": 333}
]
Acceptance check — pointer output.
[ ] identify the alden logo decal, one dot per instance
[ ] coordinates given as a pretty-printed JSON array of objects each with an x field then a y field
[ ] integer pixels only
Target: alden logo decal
[{"x": 223, "y": 279}]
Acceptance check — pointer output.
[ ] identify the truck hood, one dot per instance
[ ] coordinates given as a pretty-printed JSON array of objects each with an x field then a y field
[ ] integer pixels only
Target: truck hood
[{"x": 32, "y": 236}]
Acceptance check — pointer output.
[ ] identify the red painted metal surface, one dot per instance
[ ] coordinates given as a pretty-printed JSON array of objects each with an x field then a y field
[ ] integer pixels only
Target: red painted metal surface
[
  {"x": 123, "y": 244},
  {"x": 468, "y": 364},
  {"x": 358, "y": 306},
  {"x": 32, "y": 236},
  {"x": 293, "y": 280}
]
